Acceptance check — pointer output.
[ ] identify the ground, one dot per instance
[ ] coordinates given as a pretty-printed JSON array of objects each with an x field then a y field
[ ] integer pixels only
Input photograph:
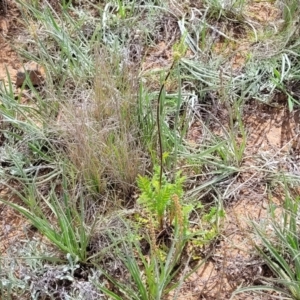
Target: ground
[{"x": 272, "y": 132}]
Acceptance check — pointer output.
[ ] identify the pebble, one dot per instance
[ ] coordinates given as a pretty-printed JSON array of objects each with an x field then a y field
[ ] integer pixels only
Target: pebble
[{"x": 36, "y": 74}]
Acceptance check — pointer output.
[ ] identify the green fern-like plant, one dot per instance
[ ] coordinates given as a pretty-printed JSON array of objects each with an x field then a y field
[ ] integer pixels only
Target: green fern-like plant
[{"x": 156, "y": 197}]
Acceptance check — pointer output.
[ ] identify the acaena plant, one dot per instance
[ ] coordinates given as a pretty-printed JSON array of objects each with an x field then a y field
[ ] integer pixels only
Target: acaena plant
[{"x": 157, "y": 198}]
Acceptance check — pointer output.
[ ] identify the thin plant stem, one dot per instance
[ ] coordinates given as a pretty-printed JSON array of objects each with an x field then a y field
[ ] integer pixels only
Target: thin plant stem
[{"x": 158, "y": 115}]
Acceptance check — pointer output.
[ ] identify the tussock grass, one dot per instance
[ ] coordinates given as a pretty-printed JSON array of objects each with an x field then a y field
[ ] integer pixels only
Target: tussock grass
[{"x": 101, "y": 131}]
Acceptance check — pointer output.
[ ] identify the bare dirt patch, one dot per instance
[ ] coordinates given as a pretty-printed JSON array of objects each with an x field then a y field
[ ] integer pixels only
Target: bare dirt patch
[
  {"x": 272, "y": 127},
  {"x": 13, "y": 226},
  {"x": 9, "y": 60},
  {"x": 263, "y": 12}
]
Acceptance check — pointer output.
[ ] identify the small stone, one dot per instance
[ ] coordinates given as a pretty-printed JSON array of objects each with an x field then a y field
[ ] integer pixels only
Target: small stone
[
  {"x": 3, "y": 27},
  {"x": 36, "y": 74}
]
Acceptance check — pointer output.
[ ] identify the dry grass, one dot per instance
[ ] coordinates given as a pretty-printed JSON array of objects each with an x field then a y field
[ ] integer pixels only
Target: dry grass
[{"x": 100, "y": 129}]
